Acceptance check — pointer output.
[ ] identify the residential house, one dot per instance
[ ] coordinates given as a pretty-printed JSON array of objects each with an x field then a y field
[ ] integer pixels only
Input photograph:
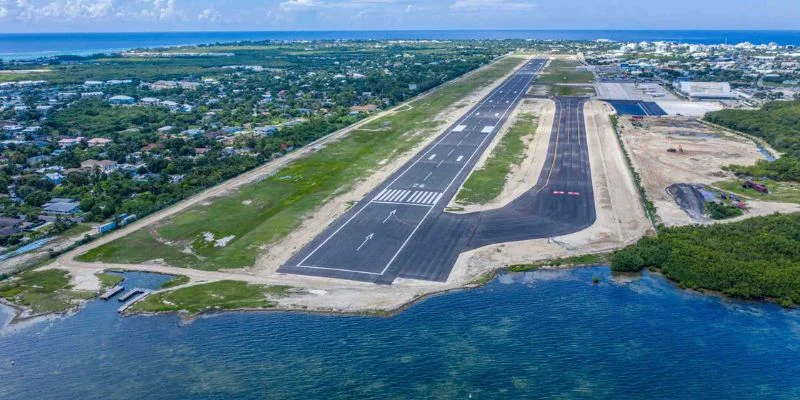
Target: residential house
[
  {"x": 365, "y": 109},
  {"x": 121, "y": 100},
  {"x": 149, "y": 101},
  {"x": 98, "y": 142},
  {"x": 268, "y": 130},
  {"x": 68, "y": 142},
  {"x": 38, "y": 160},
  {"x": 192, "y": 132},
  {"x": 54, "y": 177},
  {"x": 59, "y": 206},
  {"x": 10, "y": 226},
  {"x": 105, "y": 166}
]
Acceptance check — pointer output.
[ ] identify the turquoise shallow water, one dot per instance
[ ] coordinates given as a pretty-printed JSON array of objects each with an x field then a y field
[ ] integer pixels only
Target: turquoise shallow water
[{"x": 536, "y": 335}]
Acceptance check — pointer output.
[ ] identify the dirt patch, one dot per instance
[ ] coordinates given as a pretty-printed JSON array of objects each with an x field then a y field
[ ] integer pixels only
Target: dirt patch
[{"x": 705, "y": 150}]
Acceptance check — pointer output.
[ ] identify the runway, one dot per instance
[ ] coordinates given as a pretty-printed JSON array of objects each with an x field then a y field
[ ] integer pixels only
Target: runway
[{"x": 401, "y": 229}]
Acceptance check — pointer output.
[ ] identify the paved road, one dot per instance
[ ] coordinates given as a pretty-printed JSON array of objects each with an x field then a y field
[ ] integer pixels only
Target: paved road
[{"x": 401, "y": 229}]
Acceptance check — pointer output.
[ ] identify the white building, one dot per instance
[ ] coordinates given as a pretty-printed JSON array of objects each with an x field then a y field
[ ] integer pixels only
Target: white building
[{"x": 707, "y": 90}]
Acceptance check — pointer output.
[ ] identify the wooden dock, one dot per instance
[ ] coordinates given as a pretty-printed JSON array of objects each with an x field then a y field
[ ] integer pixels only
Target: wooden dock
[
  {"x": 130, "y": 294},
  {"x": 138, "y": 294},
  {"x": 112, "y": 292}
]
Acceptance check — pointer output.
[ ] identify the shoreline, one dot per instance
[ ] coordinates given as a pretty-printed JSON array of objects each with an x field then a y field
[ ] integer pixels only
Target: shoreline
[{"x": 187, "y": 319}]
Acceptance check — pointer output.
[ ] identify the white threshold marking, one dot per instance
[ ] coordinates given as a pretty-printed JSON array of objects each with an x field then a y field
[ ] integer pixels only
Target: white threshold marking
[
  {"x": 394, "y": 203},
  {"x": 414, "y": 231},
  {"x": 339, "y": 269}
]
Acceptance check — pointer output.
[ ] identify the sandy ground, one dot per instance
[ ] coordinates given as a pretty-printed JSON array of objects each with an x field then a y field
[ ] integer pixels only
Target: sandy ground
[
  {"x": 620, "y": 216},
  {"x": 520, "y": 177},
  {"x": 706, "y": 151}
]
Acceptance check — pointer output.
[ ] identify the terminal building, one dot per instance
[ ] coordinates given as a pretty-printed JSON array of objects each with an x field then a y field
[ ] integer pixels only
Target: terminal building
[{"x": 707, "y": 90}]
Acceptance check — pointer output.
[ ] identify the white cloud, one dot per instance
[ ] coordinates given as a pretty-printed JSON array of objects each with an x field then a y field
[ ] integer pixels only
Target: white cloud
[
  {"x": 158, "y": 9},
  {"x": 72, "y": 9},
  {"x": 209, "y": 14},
  {"x": 291, "y": 5},
  {"x": 491, "y": 5}
]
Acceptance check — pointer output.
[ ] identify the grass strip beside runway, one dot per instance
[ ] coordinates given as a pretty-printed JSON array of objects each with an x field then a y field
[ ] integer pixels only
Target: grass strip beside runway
[
  {"x": 564, "y": 71},
  {"x": 230, "y": 231},
  {"x": 486, "y": 184}
]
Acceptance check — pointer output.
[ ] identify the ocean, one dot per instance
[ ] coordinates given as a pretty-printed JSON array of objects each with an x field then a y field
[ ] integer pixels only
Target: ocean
[
  {"x": 33, "y": 45},
  {"x": 543, "y": 334}
]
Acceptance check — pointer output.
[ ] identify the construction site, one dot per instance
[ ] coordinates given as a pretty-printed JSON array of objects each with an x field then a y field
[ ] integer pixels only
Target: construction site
[{"x": 679, "y": 159}]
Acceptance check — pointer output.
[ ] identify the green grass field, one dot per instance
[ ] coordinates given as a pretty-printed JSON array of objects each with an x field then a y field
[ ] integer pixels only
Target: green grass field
[
  {"x": 177, "y": 281},
  {"x": 42, "y": 291},
  {"x": 486, "y": 183},
  {"x": 109, "y": 280},
  {"x": 222, "y": 295},
  {"x": 584, "y": 260},
  {"x": 569, "y": 90},
  {"x": 264, "y": 212},
  {"x": 785, "y": 192},
  {"x": 565, "y": 71}
]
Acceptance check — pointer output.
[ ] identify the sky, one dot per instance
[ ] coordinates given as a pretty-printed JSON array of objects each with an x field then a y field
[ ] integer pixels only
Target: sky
[{"x": 270, "y": 15}]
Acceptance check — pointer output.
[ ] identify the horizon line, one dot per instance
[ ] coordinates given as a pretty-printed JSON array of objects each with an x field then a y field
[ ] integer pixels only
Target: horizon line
[{"x": 410, "y": 30}]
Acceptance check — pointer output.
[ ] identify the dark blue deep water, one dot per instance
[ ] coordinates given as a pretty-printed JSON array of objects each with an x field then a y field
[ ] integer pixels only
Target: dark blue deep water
[
  {"x": 28, "y": 45},
  {"x": 535, "y": 335}
]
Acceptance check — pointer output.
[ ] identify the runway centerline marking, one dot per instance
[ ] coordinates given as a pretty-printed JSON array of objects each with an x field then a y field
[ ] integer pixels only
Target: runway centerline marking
[{"x": 427, "y": 176}]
